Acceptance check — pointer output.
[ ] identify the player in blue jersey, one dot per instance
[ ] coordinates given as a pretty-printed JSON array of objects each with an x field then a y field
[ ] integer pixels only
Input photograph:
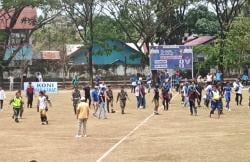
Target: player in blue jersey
[{"x": 227, "y": 94}]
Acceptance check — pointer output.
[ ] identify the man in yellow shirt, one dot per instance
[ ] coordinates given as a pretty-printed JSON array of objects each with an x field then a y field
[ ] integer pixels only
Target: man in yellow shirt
[{"x": 82, "y": 115}]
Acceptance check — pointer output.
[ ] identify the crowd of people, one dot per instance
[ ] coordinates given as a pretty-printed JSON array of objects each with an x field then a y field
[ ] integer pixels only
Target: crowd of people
[{"x": 211, "y": 90}]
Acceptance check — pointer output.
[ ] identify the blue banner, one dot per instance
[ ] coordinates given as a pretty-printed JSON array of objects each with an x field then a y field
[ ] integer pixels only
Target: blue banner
[{"x": 171, "y": 57}]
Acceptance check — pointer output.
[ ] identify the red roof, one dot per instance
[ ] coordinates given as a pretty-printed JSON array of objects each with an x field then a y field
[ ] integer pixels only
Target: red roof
[
  {"x": 200, "y": 40},
  {"x": 50, "y": 55},
  {"x": 27, "y": 13}
]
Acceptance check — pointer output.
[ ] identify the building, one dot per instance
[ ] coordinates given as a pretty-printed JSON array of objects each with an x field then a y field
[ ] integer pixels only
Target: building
[
  {"x": 19, "y": 49},
  {"x": 112, "y": 58}
]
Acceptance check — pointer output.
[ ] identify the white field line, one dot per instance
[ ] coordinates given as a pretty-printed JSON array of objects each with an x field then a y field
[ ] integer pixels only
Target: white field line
[{"x": 125, "y": 137}]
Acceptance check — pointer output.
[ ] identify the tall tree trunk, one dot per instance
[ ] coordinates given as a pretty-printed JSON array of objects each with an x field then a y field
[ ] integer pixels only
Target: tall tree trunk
[
  {"x": 91, "y": 45},
  {"x": 221, "y": 53},
  {"x": 1, "y": 77},
  {"x": 90, "y": 67}
]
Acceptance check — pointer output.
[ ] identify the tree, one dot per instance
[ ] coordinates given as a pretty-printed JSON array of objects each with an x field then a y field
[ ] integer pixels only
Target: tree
[
  {"x": 10, "y": 12},
  {"x": 200, "y": 20},
  {"x": 226, "y": 12},
  {"x": 238, "y": 39},
  {"x": 236, "y": 48},
  {"x": 82, "y": 13},
  {"x": 173, "y": 24}
]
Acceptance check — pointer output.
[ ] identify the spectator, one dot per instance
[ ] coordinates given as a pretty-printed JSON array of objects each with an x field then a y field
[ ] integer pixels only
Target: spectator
[
  {"x": 11, "y": 79},
  {"x": 244, "y": 79}
]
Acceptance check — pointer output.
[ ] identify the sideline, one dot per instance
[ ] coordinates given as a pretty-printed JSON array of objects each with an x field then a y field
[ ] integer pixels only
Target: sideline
[{"x": 129, "y": 134}]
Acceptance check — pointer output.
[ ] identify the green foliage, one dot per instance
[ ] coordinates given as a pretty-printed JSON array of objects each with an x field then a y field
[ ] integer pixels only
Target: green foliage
[
  {"x": 236, "y": 47},
  {"x": 201, "y": 21}
]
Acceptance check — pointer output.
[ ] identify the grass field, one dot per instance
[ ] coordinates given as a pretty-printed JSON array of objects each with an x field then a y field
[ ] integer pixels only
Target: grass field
[{"x": 172, "y": 136}]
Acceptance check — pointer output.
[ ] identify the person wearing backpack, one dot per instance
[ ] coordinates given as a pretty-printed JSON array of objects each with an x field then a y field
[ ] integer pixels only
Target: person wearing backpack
[{"x": 122, "y": 96}]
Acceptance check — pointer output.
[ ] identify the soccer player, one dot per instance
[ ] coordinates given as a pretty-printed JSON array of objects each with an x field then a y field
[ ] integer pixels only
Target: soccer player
[
  {"x": 22, "y": 107},
  {"x": 185, "y": 94},
  {"x": 208, "y": 91},
  {"x": 17, "y": 104},
  {"x": 215, "y": 102},
  {"x": 165, "y": 96},
  {"x": 87, "y": 93},
  {"x": 42, "y": 107},
  {"x": 122, "y": 96},
  {"x": 156, "y": 99},
  {"x": 227, "y": 94},
  {"x": 199, "y": 94},
  {"x": 192, "y": 95}
]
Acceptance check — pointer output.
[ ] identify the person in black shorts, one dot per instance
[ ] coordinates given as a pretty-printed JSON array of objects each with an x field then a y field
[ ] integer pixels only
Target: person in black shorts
[
  {"x": 86, "y": 90},
  {"x": 156, "y": 99}
]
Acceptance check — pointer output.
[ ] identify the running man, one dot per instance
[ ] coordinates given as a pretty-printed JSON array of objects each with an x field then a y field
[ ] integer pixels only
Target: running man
[
  {"x": 165, "y": 96},
  {"x": 156, "y": 99},
  {"x": 87, "y": 93},
  {"x": 17, "y": 104},
  {"x": 192, "y": 96},
  {"x": 215, "y": 102},
  {"x": 227, "y": 94}
]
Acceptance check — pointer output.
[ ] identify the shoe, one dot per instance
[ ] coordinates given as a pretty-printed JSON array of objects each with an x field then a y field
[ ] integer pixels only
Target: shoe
[
  {"x": 85, "y": 135},
  {"x": 156, "y": 113},
  {"x": 16, "y": 120},
  {"x": 47, "y": 122},
  {"x": 105, "y": 118},
  {"x": 42, "y": 123},
  {"x": 78, "y": 136}
]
